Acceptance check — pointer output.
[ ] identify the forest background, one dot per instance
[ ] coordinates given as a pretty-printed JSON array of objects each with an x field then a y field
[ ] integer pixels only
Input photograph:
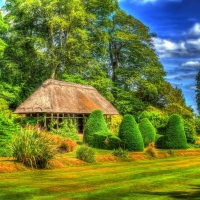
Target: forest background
[{"x": 89, "y": 42}]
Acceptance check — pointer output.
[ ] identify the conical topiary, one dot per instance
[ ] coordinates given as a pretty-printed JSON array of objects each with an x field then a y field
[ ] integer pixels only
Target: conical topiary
[
  {"x": 95, "y": 123},
  {"x": 174, "y": 136},
  {"x": 148, "y": 131},
  {"x": 130, "y": 135}
]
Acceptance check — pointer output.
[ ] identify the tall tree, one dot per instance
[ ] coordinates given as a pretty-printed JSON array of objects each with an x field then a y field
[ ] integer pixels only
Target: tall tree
[{"x": 198, "y": 91}]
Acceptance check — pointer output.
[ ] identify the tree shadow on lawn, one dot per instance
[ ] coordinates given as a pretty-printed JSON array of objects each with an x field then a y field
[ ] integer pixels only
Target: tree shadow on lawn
[
  {"x": 193, "y": 194},
  {"x": 17, "y": 196}
]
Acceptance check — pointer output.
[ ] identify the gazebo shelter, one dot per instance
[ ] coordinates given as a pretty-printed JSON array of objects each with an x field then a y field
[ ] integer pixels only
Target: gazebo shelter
[{"x": 62, "y": 100}]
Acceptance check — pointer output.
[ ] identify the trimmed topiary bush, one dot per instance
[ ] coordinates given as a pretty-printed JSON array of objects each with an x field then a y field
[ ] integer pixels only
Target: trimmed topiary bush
[
  {"x": 95, "y": 123},
  {"x": 148, "y": 131},
  {"x": 130, "y": 135},
  {"x": 174, "y": 137},
  {"x": 113, "y": 142},
  {"x": 99, "y": 140}
]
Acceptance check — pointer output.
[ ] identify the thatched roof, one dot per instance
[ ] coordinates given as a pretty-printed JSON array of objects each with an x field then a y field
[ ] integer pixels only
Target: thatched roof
[{"x": 62, "y": 97}]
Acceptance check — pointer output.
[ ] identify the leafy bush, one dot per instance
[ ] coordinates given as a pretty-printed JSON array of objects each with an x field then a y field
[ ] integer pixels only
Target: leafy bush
[
  {"x": 130, "y": 135},
  {"x": 113, "y": 142},
  {"x": 157, "y": 119},
  {"x": 86, "y": 154},
  {"x": 7, "y": 129},
  {"x": 95, "y": 123},
  {"x": 32, "y": 148},
  {"x": 189, "y": 128},
  {"x": 99, "y": 140},
  {"x": 32, "y": 120},
  {"x": 121, "y": 153},
  {"x": 67, "y": 128},
  {"x": 114, "y": 124},
  {"x": 151, "y": 150},
  {"x": 170, "y": 152},
  {"x": 148, "y": 131},
  {"x": 175, "y": 136}
]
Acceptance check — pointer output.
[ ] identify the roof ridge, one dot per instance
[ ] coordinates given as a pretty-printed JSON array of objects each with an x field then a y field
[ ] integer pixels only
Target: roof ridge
[{"x": 63, "y": 83}]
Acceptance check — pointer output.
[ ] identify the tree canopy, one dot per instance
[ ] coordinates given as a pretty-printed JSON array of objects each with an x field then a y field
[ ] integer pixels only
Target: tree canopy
[{"x": 89, "y": 42}]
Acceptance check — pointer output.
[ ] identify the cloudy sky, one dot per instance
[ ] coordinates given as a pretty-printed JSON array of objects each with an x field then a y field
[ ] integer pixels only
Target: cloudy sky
[{"x": 177, "y": 25}]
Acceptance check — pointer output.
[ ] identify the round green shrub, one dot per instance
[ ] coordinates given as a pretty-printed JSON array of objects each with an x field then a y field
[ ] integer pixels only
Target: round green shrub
[
  {"x": 175, "y": 136},
  {"x": 113, "y": 142},
  {"x": 95, "y": 123},
  {"x": 148, "y": 131},
  {"x": 86, "y": 154},
  {"x": 99, "y": 140},
  {"x": 130, "y": 135}
]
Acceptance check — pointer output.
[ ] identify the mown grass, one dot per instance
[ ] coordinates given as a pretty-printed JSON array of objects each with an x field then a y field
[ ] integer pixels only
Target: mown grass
[{"x": 160, "y": 179}]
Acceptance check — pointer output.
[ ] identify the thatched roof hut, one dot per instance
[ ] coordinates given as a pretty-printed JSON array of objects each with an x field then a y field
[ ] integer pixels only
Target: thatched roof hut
[
  {"x": 65, "y": 99},
  {"x": 62, "y": 97}
]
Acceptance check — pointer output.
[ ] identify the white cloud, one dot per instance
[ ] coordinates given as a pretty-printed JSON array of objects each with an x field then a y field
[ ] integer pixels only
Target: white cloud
[
  {"x": 191, "y": 64},
  {"x": 166, "y": 48},
  {"x": 195, "y": 30},
  {"x": 195, "y": 43}
]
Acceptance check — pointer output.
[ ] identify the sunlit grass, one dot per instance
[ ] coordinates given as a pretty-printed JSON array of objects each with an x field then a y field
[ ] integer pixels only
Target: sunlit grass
[{"x": 168, "y": 178}]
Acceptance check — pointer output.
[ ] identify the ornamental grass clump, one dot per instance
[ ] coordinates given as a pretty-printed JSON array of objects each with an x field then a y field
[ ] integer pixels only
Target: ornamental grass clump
[
  {"x": 95, "y": 124},
  {"x": 32, "y": 148},
  {"x": 130, "y": 135},
  {"x": 148, "y": 131},
  {"x": 174, "y": 137},
  {"x": 151, "y": 150}
]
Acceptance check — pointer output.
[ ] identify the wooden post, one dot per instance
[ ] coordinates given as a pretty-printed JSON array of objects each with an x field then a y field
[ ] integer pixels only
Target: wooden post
[{"x": 37, "y": 118}]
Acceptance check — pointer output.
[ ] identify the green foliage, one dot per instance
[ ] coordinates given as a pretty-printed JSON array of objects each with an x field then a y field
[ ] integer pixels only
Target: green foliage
[
  {"x": 86, "y": 154},
  {"x": 32, "y": 148},
  {"x": 127, "y": 103},
  {"x": 197, "y": 124},
  {"x": 130, "y": 135},
  {"x": 175, "y": 137},
  {"x": 8, "y": 127},
  {"x": 121, "y": 153},
  {"x": 157, "y": 119},
  {"x": 95, "y": 123},
  {"x": 67, "y": 128},
  {"x": 33, "y": 121},
  {"x": 113, "y": 142},
  {"x": 189, "y": 128},
  {"x": 114, "y": 123},
  {"x": 99, "y": 140},
  {"x": 148, "y": 131}
]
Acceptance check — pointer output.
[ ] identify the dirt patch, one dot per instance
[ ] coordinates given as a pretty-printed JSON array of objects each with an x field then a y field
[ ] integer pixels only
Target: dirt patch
[
  {"x": 103, "y": 159},
  {"x": 7, "y": 166}
]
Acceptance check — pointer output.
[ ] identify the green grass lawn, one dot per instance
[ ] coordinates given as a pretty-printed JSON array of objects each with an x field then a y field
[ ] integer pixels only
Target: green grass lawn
[{"x": 167, "y": 178}]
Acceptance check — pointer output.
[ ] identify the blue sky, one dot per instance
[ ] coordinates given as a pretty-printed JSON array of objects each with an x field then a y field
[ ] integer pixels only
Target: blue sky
[{"x": 177, "y": 25}]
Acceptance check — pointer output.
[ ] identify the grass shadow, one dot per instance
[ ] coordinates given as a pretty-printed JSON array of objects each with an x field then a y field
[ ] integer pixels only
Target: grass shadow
[{"x": 193, "y": 194}]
